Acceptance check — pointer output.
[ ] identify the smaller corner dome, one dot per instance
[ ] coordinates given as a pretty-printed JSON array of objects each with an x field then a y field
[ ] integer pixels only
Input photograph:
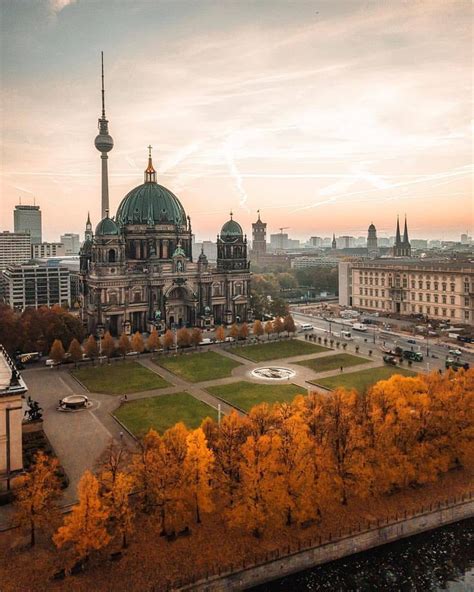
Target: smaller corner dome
[
  {"x": 107, "y": 226},
  {"x": 231, "y": 230}
]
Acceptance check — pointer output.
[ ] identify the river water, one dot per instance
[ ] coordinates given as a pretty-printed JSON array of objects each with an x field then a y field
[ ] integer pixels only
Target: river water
[{"x": 435, "y": 561}]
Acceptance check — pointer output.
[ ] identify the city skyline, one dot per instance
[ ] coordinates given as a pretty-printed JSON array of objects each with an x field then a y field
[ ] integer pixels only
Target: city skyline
[{"x": 313, "y": 132}]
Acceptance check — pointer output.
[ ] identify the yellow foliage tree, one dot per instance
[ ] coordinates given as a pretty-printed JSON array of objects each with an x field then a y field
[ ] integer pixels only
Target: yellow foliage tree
[
  {"x": 117, "y": 500},
  {"x": 234, "y": 331},
  {"x": 268, "y": 328},
  {"x": 38, "y": 490},
  {"x": 197, "y": 468},
  {"x": 85, "y": 528},
  {"x": 196, "y": 336}
]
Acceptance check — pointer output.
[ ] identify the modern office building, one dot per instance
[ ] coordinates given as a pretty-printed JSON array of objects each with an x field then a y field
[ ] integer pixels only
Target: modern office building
[
  {"x": 41, "y": 250},
  {"x": 15, "y": 248},
  {"x": 442, "y": 290},
  {"x": 28, "y": 219},
  {"x": 71, "y": 242},
  {"x": 306, "y": 261},
  {"x": 36, "y": 285},
  {"x": 315, "y": 241},
  {"x": 12, "y": 387}
]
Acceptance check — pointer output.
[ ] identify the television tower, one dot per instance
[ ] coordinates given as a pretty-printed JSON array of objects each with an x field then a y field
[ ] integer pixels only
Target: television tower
[{"x": 104, "y": 143}]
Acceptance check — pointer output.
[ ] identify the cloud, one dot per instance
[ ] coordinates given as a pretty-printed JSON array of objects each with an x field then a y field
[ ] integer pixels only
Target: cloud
[{"x": 57, "y": 5}]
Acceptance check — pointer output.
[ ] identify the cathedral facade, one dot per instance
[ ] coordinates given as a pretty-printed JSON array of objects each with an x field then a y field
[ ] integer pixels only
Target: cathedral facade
[{"x": 137, "y": 268}]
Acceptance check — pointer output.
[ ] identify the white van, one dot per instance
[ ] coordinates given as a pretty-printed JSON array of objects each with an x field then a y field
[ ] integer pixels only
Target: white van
[
  {"x": 346, "y": 335},
  {"x": 307, "y": 327}
]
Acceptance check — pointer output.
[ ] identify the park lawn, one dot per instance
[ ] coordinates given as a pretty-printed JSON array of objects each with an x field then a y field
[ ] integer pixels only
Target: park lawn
[
  {"x": 198, "y": 366},
  {"x": 162, "y": 412},
  {"x": 119, "y": 378},
  {"x": 333, "y": 362},
  {"x": 246, "y": 395},
  {"x": 363, "y": 379},
  {"x": 275, "y": 350}
]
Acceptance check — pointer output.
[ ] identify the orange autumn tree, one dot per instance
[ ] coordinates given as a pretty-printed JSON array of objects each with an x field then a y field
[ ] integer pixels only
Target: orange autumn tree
[
  {"x": 289, "y": 324},
  {"x": 153, "y": 342},
  {"x": 268, "y": 328},
  {"x": 90, "y": 348},
  {"x": 168, "y": 340},
  {"x": 183, "y": 338},
  {"x": 138, "y": 343},
  {"x": 234, "y": 331},
  {"x": 258, "y": 329},
  {"x": 36, "y": 496},
  {"x": 75, "y": 351},
  {"x": 117, "y": 502},
  {"x": 196, "y": 336},
  {"x": 124, "y": 345},
  {"x": 108, "y": 345},
  {"x": 220, "y": 333},
  {"x": 57, "y": 352},
  {"x": 243, "y": 331},
  {"x": 197, "y": 468},
  {"x": 85, "y": 528},
  {"x": 254, "y": 508}
]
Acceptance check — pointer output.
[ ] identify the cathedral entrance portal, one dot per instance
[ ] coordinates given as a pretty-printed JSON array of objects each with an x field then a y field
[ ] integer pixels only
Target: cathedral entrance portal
[{"x": 179, "y": 307}]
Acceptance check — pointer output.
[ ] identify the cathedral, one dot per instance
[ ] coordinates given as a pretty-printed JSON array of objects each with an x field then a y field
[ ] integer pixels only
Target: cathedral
[{"x": 137, "y": 269}]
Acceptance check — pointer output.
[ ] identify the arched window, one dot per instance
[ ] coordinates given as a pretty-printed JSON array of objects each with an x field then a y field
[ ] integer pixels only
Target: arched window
[
  {"x": 113, "y": 298},
  {"x": 137, "y": 297},
  {"x": 112, "y": 256}
]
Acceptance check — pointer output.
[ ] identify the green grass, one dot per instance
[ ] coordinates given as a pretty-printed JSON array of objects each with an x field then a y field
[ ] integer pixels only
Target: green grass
[
  {"x": 119, "y": 378},
  {"x": 246, "y": 395},
  {"x": 199, "y": 366},
  {"x": 275, "y": 350},
  {"x": 163, "y": 412},
  {"x": 333, "y": 362},
  {"x": 363, "y": 379}
]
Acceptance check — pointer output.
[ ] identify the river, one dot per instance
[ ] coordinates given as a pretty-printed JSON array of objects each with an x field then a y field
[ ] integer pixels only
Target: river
[{"x": 435, "y": 561}]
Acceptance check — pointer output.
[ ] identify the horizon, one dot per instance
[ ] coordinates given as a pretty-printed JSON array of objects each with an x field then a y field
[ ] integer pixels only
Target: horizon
[{"x": 248, "y": 107}]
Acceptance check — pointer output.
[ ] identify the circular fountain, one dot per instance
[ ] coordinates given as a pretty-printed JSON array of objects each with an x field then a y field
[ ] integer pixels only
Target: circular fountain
[
  {"x": 273, "y": 373},
  {"x": 74, "y": 403}
]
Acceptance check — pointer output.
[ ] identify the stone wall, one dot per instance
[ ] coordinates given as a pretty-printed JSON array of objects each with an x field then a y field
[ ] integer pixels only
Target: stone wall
[{"x": 285, "y": 562}]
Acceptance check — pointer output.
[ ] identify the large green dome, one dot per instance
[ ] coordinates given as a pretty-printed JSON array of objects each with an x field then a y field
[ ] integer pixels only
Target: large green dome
[
  {"x": 150, "y": 203},
  {"x": 231, "y": 230}
]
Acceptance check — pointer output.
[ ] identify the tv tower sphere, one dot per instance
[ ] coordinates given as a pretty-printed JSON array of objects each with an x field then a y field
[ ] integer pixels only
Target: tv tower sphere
[{"x": 104, "y": 142}]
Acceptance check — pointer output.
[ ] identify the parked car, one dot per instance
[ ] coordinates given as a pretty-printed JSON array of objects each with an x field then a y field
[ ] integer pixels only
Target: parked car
[
  {"x": 413, "y": 356},
  {"x": 390, "y": 360},
  {"x": 455, "y": 352},
  {"x": 456, "y": 364},
  {"x": 411, "y": 341},
  {"x": 206, "y": 341},
  {"x": 229, "y": 339},
  {"x": 51, "y": 363}
]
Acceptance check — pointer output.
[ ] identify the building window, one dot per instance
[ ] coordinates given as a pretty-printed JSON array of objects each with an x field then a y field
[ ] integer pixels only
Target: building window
[
  {"x": 428, "y": 298},
  {"x": 436, "y": 285},
  {"x": 436, "y": 311},
  {"x": 137, "y": 297},
  {"x": 466, "y": 287},
  {"x": 466, "y": 301},
  {"x": 444, "y": 299},
  {"x": 451, "y": 299},
  {"x": 453, "y": 287},
  {"x": 413, "y": 284},
  {"x": 453, "y": 313},
  {"x": 436, "y": 297},
  {"x": 444, "y": 312},
  {"x": 420, "y": 284},
  {"x": 420, "y": 296},
  {"x": 444, "y": 286},
  {"x": 466, "y": 315},
  {"x": 112, "y": 256},
  {"x": 428, "y": 285}
]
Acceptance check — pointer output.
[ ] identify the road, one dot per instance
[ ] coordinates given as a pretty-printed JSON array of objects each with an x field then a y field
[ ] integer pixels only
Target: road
[{"x": 376, "y": 337}]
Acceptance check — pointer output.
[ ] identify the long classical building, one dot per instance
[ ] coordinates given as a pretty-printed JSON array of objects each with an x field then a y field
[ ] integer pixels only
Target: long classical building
[
  {"x": 442, "y": 290},
  {"x": 137, "y": 270}
]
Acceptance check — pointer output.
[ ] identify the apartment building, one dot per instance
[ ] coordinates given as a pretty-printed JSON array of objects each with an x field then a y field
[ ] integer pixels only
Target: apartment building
[
  {"x": 36, "y": 285},
  {"x": 15, "y": 248},
  {"x": 41, "y": 250},
  {"x": 441, "y": 290}
]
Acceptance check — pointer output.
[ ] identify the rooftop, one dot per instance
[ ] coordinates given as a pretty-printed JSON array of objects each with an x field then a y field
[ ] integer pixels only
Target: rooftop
[
  {"x": 425, "y": 264},
  {"x": 9, "y": 384}
]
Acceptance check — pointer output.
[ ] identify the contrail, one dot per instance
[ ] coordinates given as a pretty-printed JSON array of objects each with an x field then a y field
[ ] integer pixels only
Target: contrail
[{"x": 235, "y": 174}]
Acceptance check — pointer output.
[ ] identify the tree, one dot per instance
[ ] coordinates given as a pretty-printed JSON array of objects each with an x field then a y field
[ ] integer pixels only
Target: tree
[
  {"x": 117, "y": 500},
  {"x": 289, "y": 324},
  {"x": 138, "y": 344},
  {"x": 243, "y": 331},
  {"x": 196, "y": 336},
  {"x": 183, "y": 338},
  {"x": 75, "y": 351},
  {"x": 153, "y": 342},
  {"x": 57, "y": 352},
  {"x": 85, "y": 528},
  {"x": 258, "y": 329},
  {"x": 220, "y": 333},
  {"x": 108, "y": 345},
  {"x": 36, "y": 495},
  {"x": 113, "y": 461},
  {"x": 90, "y": 348},
  {"x": 197, "y": 468},
  {"x": 124, "y": 345},
  {"x": 234, "y": 331},
  {"x": 278, "y": 326},
  {"x": 168, "y": 340},
  {"x": 268, "y": 328},
  {"x": 10, "y": 336}
]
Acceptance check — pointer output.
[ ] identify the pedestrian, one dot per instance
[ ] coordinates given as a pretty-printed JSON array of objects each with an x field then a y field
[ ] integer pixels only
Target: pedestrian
[
  {"x": 341, "y": 369},
  {"x": 125, "y": 398},
  {"x": 121, "y": 436}
]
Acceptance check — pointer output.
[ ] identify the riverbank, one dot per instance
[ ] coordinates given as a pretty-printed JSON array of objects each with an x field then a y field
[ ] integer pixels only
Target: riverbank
[
  {"x": 285, "y": 562},
  {"x": 153, "y": 563}
]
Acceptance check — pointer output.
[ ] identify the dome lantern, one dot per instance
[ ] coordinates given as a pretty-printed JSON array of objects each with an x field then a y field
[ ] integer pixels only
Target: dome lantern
[{"x": 150, "y": 173}]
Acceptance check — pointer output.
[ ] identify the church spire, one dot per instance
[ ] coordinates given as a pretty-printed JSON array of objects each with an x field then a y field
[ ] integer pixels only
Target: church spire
[
  {"x": 104, "y": 143},
  {"x": 150, "y": 173},
  {"x": 405, "y": 232},
  {"x": 398, "y": 239}
]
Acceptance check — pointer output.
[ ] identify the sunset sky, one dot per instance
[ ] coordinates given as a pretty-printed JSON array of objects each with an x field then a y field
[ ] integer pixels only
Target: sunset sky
[{"x": 326, "y": 115}]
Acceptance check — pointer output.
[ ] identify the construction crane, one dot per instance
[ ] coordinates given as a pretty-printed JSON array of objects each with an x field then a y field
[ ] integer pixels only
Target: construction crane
[{"x": 283, "y": 228}]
